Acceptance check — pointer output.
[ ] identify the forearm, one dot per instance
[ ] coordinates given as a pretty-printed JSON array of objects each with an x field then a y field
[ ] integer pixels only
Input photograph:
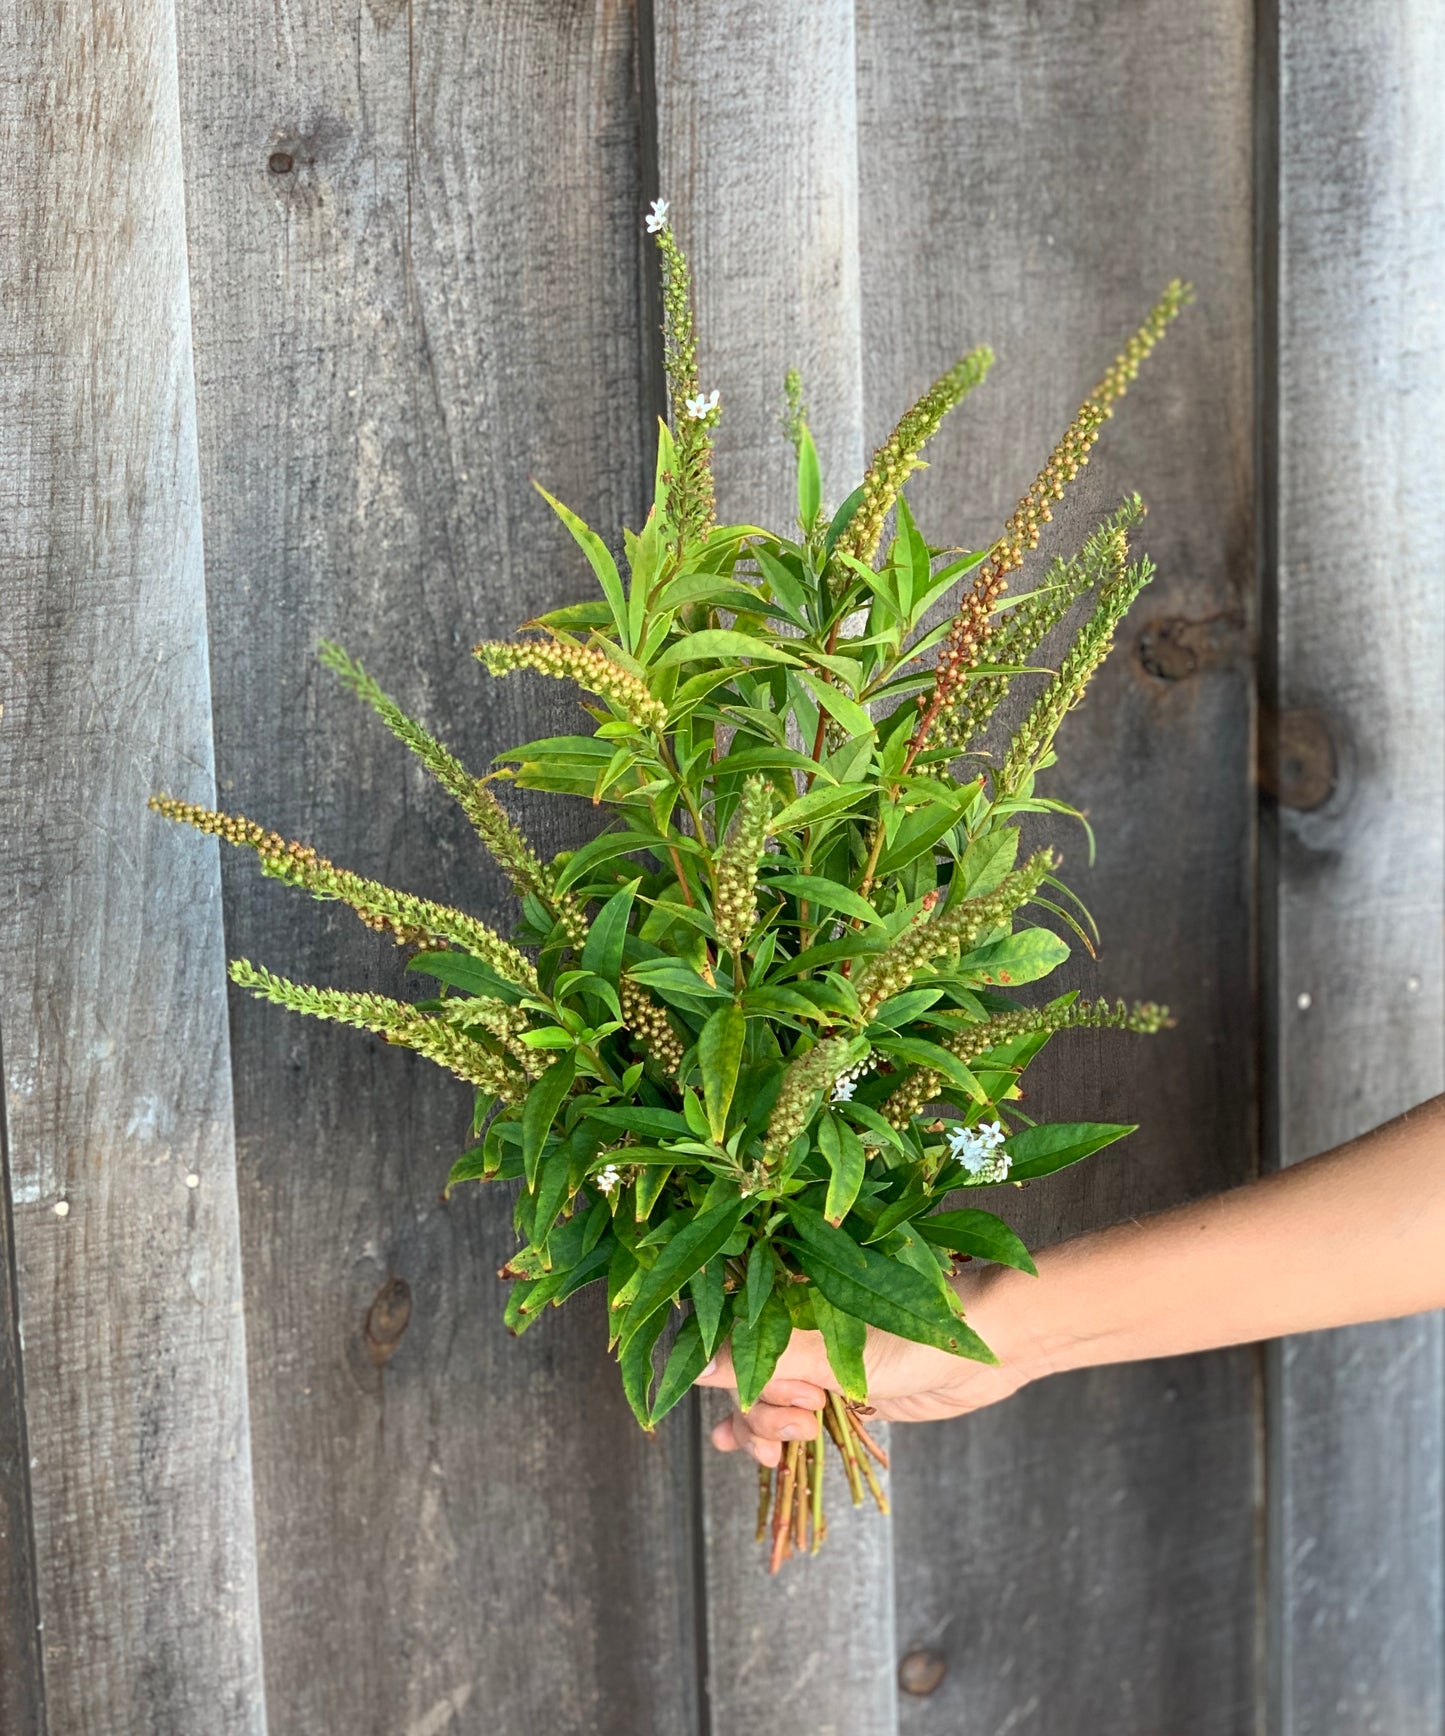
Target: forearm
[{"x": 1357, "y": 1234}]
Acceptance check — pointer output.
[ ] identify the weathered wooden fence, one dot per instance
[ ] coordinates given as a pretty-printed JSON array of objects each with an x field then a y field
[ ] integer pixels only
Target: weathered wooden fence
[{"x": 293, "y": 300}]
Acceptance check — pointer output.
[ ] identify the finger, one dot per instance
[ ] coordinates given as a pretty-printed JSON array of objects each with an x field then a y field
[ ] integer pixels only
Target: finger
[
  {"x": 722, "y": 1436},
  {"x": 767, "y": 1453},
  {"x": 805, "y": 1360},
  {"x": 775, "y": 1422},
  {"x": 719, "y": 1372},
  {"x": 795, "y": 1394}
]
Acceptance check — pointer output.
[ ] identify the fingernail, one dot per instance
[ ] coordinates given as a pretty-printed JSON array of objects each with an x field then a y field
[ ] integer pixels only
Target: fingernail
[{"x": 710, "y": 1369}]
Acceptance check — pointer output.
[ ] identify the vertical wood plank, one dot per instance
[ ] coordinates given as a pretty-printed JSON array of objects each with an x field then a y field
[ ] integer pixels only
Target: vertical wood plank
[
  {"x": 417, "y": 234},
  {"x": 117, "y": 1088},
  {"x": 1084, "y": 1557},
  {"x": 22, "y": 1684},
  {"x": 1357, "y": 1444},
  {"x": 757, "y": 149}
]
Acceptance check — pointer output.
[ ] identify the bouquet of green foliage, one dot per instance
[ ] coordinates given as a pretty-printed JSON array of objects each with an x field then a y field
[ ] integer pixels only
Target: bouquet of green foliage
[{"x": 748, "y": 1039}]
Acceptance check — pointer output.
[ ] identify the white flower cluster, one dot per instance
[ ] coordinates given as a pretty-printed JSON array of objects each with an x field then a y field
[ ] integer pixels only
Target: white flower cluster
[
  {"x": 976, "y": 1148},
  {"x": 607, "y": 1178},
  {"x": 702, "y": 406},
  {"x": 846, "y": 1082},
  {"x": 657, "y": 216}
]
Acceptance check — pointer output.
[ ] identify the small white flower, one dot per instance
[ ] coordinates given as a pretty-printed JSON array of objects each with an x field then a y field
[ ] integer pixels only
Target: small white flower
[
  {"x": 608, "y": 1178},
  {"x": 702, "y": 405},
  {"x": 844, "y": 1089},
  {"x": 657, "y": 216},
  {"x": 992, "y": 1132}
]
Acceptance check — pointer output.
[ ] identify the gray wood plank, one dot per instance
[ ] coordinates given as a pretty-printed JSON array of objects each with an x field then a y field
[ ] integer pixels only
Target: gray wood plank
[
  {"x": 417, "y": 237},
  {"x": 22, "y": 1681},
  {"x": 1357, "y": 1443},
  {"x": 1084, "y": 1557},
  {"x": 757, "y": 150},
  {"x": 117, "y": 1087}
]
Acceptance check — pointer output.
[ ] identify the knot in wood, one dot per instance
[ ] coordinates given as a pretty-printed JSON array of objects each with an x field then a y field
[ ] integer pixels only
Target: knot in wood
[
  {"x": 921, "y": 1671},
  {"x": 387, "y": 1319}
]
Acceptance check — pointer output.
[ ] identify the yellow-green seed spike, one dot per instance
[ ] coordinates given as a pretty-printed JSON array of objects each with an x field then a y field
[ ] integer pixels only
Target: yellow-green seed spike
[
  {"x": 490, "y": 820},
  {"x": 973, "y": 624},
  {"x": 591, "y": 670},
  {"x": 897, "y": 458},
  {"x": 394, "y": 1020},
  {"x": 412, "y": 921},
  {"x": 690, "y": 498}
]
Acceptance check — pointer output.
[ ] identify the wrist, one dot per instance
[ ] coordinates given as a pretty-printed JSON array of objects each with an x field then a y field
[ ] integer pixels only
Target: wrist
[{"x": 1001, "y": 1305}]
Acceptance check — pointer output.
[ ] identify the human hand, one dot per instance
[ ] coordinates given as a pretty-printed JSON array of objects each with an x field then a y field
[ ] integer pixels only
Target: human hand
[{"x": 907, "y": 1382}]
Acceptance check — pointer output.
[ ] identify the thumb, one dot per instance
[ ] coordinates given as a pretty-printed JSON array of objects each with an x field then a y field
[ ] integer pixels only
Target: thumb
[{"x": 802, "y": 1378}]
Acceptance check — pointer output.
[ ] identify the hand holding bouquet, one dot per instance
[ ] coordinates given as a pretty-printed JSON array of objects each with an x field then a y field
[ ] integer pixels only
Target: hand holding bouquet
[{"x": 746, "y": 1041}]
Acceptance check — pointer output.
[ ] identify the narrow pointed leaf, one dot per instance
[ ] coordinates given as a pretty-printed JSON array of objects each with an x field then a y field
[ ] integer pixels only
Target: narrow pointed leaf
[
  {"x": 1041, "y": 1150},
  {"x": 685, "y": 1363},
  {"x": 682, "y": 1255},
  {"x": 844, "y": 1339},
  {"x": 719, "y": 1050},
  {"x": 540, "y": 1111},
  {"x": 978, "y": 1233},
  {"x": 875, "y": 1288},
  {"x": 601, "y": 561},
  {"x": 756, "y": 1348}
]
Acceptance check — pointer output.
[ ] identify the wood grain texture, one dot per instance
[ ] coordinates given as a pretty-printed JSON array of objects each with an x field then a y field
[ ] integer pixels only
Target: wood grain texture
[
  {"x": 22, "y": 1681},
  {"x": 117, "y": 1085},
  {"x": 1357, "y": 1446},
  {"x": 757, "y": 149},
  {"x": 418, "y": 237},
  {"x": 1031, "y": 177}
]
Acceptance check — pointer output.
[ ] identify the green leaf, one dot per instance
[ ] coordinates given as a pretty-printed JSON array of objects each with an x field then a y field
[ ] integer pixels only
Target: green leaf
[
  {"x": 827, "y": 893},
  {"x": 602, "y": 563},
  {"x": 605, "y": 849},
  {"x": 636, "y": 1364},
  {"x": 978, "y": 1233},
  {"x": 789, "y": 1004},
  {"x": 759, "y": 1283},
  {"x": 1055, "y": 1145},
  {"x": 936, "y": 1059},
  {"x": 459, "y": 970},
  {"x": 920, "y": 831},
  {"x": 684, "y": 1365},
  {"x": 1016, "y": 958},
  {"x": 987, "y": 860},
  {"x": 470, "y": 1166},
  {"x": 872, "y": 1287},
  {"x": 914, "y": 566},
  {"x": 673, "y": 980},
  {"x": 551, "y": 1191},
  {"x": 539, "y": 1112},
  {"x": 757, "y": 1347},
  {"x": 719, "y": 1050},
  {"x": 843, "y": 1152},
  {"x": 641, "y": 1118},
  {"x": 722, "y": 645},
  {"x": 648, "y": 1188},
  {"x": 820, "y": 804},
  {"x": 841, "y": 518},
  {"x": 708, "y": 1295},
  {"x": 897, "y": 1010},
  {"x": 810, "y": 480},
  {"x": 843, "y": 710},
  {"x": 682, "y": 1255},
  {"x": 844, "y": 1339},
  {"x": 602, "y": 953}
]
